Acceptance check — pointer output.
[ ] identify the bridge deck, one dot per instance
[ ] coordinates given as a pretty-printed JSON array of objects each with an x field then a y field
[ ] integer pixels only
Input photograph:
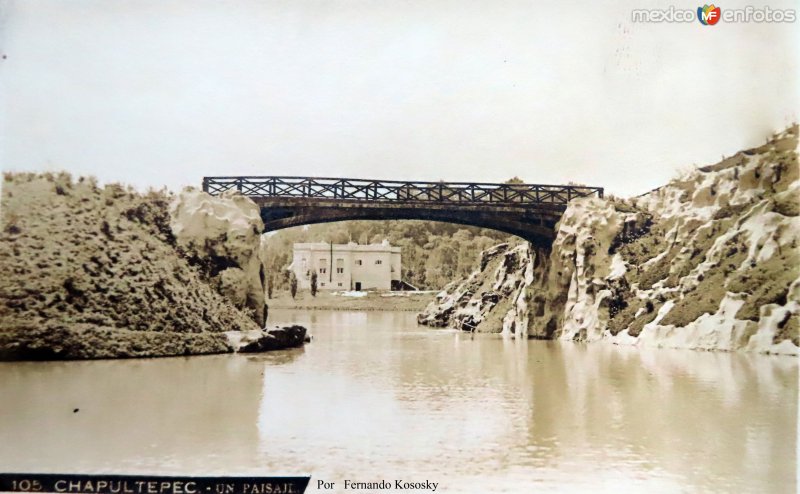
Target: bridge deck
[{"x": 399, "y": 191}]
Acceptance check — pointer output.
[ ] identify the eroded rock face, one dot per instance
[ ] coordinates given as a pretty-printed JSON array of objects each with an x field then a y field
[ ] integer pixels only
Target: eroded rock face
[
  {"x": 720, "y": 266},
  {"x": 482, "y": 302},
  {"x": 709, "y": 261},
  {"x": 222, "y": 233},
  {"x": 579, "y": 263}
]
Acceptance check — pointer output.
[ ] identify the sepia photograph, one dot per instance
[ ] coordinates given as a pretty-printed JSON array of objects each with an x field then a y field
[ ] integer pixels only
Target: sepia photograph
[{"x": 399, "y": 246}]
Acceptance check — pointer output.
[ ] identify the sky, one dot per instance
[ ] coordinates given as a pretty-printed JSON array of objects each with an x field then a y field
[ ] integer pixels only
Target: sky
[{"x": 161, "y": 93}]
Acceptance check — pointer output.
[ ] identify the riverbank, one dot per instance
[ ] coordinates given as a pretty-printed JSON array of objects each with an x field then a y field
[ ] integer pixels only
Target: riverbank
[
  {"x": 709, "y": 261},
  {"x": 358, "y": 301},
  {"x": 97, "y": 272}
]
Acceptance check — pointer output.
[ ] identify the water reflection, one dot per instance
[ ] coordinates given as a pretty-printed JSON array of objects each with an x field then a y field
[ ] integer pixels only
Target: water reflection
[
  {"x": 544, "y": 411},
  {"x": 374, "y": 396},
  {"x": 155, "y": 415}
]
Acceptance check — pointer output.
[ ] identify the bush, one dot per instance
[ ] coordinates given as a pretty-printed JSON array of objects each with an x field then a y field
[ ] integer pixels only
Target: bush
[
  {"x": 705, "y": 299},
  {"x": 767, "y": 283}
]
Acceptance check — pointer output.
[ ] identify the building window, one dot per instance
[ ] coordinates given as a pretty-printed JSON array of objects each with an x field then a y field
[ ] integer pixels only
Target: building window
[
  {"x": 378, "y": 261},
  {"x": 358, "y": 262},
  {"x": 322, "y": 270},
  {"x": 322, "y": 284},
  {"x": 339, "y": 270},
  {"x": 340, "y": 284}
]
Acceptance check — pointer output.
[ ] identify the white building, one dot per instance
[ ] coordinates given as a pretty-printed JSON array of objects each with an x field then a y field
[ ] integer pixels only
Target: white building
[{"x": 347, "y": 266}]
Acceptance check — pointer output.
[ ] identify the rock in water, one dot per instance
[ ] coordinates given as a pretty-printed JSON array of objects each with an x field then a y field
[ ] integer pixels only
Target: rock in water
[
  {"x": 222, "y": 234},
  {"x": 277, "y": 338}
]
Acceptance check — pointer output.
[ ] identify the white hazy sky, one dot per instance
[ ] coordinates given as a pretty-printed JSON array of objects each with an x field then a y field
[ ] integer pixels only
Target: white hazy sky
[{"x": 163, "y": 92}]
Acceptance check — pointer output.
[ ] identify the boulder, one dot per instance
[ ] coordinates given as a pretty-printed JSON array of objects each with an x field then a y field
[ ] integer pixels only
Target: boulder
[{"x": 277, "y": 338}]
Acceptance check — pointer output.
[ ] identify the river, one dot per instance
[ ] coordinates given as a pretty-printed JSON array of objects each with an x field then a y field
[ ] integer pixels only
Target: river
[{"x": 376, "y": 397}]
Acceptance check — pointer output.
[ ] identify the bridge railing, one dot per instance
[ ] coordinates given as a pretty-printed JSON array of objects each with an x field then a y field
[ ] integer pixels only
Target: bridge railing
[{"x": 398, "y": 191}]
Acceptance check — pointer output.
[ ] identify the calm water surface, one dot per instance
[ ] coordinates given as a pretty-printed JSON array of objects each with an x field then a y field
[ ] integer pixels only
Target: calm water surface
[{"x": 376, "y": 397}]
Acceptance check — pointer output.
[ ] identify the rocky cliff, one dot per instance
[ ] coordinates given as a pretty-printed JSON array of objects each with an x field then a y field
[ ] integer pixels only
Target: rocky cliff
[
  {"x": 483, "y": 301},
  {"x": 222, "y": 234},
  {"x": 709, "y": 261},
  {"x": 95, "y": 272}
]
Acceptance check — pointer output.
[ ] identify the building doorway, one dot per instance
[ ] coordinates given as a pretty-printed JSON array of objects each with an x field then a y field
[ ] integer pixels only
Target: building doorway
[{"x": 358, "y": 286}]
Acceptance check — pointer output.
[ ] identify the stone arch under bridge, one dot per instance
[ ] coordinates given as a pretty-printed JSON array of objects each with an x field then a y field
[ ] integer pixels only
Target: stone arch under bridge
[{"x": 529, "y": 211}]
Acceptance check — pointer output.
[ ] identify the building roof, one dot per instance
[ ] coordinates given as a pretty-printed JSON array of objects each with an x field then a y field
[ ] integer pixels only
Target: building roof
[{"x": 349, "y": 247}]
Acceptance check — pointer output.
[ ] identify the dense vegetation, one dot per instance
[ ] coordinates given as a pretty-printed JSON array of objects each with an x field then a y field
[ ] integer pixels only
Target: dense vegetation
[
  {"x": 94, "y": 272},
  {"x": 433, "y": 254}
]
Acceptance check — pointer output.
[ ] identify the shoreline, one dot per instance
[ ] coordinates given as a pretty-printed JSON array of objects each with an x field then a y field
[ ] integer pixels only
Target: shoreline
[
  {"x": 372, "y": 301},
  {"x": 345, "y": 309}
]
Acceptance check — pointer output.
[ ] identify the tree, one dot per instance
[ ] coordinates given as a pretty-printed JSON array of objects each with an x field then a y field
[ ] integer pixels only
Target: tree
[
  {"x": 313, "y": 283},
  {"x": 293, "y": 283}
]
